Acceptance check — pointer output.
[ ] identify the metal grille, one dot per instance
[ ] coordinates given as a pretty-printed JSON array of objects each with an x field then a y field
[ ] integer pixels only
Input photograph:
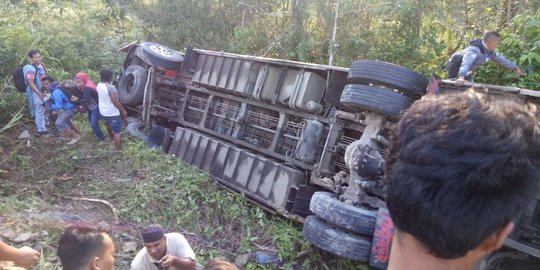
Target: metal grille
[
  {"x": 222, "y": 116},
  {"x": 341, "y": 166},
  {"x": 346, "y": 140},
  {"x": 225, "y": 108},
  {"x": 261, "y": 126},
  {"x": 194, "y": 117},
  {"x": 293, "y": 134},
  {"x": 169, "y": 97},
  {"x": 257, "y": 136},
  {"x": 294, "y": 128},
  {"x": 349, "y": 137},
  {"x": 263, "y": 118},
  {"x": 289, "y": 140},
  {"x": 197, "y": 102},
  {"x": 195, "y": 106}
]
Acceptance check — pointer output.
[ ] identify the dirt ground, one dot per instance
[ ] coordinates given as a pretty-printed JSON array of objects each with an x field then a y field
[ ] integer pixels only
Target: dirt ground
[
  {"x": 36, "y": 206},
  {"x": 46, "y": 185}
]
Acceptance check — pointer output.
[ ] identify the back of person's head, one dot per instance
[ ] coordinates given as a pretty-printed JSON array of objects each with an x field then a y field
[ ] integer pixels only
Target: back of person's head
[
  {"x": 33, "y": 52},
  {"x": 47, "y": 78},
  {"x": 106, "y": 75},
  {"x": 219, "y": 264},
  {"x": 78, "y": 245},
  {"x": 491, "y": 35},
  {"x": 459, "y": 168},
  {"x": 71, "y": 87}
]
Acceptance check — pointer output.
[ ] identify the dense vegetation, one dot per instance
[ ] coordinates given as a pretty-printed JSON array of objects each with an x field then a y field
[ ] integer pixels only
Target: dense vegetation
[{"x": 420, "y": 34}]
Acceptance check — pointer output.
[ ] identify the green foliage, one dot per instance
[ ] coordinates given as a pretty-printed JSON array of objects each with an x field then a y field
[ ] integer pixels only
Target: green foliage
[
  {"x": 13, "y": 108},
  {"x": 418, "y": 34},
  {"x": 72, "y": 35}
]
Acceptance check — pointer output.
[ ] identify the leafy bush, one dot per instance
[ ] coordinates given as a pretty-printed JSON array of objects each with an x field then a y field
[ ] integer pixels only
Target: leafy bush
[{"x": 73, "y": 36}]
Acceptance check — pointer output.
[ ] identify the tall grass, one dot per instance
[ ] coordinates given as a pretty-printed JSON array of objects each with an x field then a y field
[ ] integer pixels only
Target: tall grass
[{"x": 12, "y": 106}]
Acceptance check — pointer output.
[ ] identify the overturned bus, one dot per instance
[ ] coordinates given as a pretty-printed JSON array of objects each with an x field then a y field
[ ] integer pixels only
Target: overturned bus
[{"x": 301, "y": 140}]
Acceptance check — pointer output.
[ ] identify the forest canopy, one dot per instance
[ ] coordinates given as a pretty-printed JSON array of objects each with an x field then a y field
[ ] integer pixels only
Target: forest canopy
[{"x": 78, "y": 35}]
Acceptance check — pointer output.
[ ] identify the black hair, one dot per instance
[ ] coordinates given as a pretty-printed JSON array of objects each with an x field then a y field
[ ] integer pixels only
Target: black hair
[
  {"x": 78, "y": 245},
  {"x": 105, "y": 75},
  {"x": 47, "y": 78},
  {"x": 490, "y": 35},
  {"x": 32, "y": 52},
  {"x": 459, "y": 168}
]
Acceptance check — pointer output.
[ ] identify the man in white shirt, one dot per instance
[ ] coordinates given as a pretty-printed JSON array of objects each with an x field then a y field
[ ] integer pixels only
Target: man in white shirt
[
  {"x": 162, "y": 251},
  {"x": 110, "y": 107}
]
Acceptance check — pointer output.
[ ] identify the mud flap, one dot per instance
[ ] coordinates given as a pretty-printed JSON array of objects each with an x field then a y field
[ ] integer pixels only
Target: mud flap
[
  {"x": 433, "y": 86},
  {"x": 382, "y": 240}
]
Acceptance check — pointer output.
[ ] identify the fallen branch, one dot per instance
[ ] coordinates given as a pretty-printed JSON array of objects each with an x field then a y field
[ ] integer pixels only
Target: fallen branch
[
  {"x": 263, "y": 248},
  {"x": 113, "y": 209},
  {"x": 301, "y": 254}
]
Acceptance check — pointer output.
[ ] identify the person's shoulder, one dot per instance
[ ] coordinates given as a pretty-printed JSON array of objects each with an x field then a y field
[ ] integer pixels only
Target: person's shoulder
[
  {"x": 178, "y": 245},
  {"x": 58, "y": 91},
  {"x": 101, "y": 85},
  {"x": 176, "y": 239},
  {"x": 175, "y": 235},
  {"x": 139, "y": 260},
  {"x": 111, "y": 87},
  {"x": 29, "y": 67},
  {"x": 473, "y": 48}
]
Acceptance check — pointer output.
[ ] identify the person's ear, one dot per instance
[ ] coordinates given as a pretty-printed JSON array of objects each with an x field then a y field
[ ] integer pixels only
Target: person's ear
[
  {"x": 496, "y": 240},
  {"x": 94, "y": 263}
]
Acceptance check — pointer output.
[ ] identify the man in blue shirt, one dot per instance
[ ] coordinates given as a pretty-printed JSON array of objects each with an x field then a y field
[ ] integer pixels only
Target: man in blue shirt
[
  {"x": 67, "y": 111},
  {"x": 32, "y": 74},
  {"x": 462, "y": 65}
]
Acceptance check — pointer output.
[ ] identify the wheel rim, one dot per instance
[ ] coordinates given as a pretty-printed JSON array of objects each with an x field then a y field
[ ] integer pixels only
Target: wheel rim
[
  {"x": 161, "y": 50},
  {"x": 130, "y": 82}
]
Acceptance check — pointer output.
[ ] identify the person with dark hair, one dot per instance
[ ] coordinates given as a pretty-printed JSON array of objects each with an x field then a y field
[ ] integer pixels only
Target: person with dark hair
[
  {"x": 459, "y": 169},
  {"x": 110, "y": 107},
  {"x": 32, "y": 75},
  {"x": 82, "y": 247},
  {"x": 48, "y": 85},
  {"x": 162, "y": 250},
  {"x": 66, "y": 109},
  {"x": 24, "y": 256},
  {"x": 462, "y": 65},
  {"x": 219, "y": 264},
  {"x": 90, "y": 100}
]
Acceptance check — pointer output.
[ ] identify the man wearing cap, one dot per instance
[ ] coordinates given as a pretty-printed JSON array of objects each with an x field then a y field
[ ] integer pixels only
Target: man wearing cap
[{"x": 169, "y": 251}]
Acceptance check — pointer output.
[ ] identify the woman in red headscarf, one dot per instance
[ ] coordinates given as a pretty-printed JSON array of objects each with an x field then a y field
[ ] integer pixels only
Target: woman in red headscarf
[{"x": 90, "y": 101}]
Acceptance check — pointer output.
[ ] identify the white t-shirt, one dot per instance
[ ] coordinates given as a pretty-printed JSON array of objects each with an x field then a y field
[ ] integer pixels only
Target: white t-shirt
[
  {"x": 177, "y": 245},
  {"x": 106, "y": 107}
]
